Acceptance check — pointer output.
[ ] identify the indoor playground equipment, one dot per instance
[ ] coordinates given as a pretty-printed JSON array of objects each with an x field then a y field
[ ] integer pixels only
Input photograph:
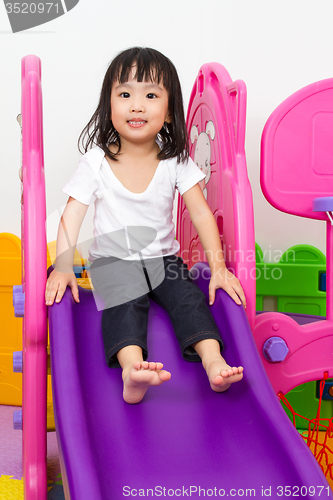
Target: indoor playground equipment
[
  {"x": 216, "y": 123},
  {"x": 29, "y": 297},
  {"x": 297, "y": 178},
  {"x": 183, "y": 439}
]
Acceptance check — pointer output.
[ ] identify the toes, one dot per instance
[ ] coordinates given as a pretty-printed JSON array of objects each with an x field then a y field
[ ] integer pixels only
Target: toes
[
  {"x": 155, "y": 366},
  {"x": 164, "y": 375},
  {"x": 217, "y": 380},
  {"x": 232, "y": 371},
  {"x": 151, "y": 365}
]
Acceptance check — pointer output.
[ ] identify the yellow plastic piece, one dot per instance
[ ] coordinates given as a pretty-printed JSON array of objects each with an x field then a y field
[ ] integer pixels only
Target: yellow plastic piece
[
  {"x": 10, "y": 327},
  {"x": 11, "y": 489},
  {"x": 85, "y": 283},
  {"x": 50, "y": 423},
  {"x": 52, "y": 252}
]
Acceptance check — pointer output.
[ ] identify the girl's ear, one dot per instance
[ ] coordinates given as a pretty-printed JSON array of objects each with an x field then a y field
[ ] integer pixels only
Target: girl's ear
[{"x": 168, "y": 118}]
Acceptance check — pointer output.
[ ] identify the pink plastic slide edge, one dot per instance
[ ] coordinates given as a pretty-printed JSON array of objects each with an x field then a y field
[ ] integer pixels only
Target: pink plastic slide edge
[{"x": 34, "y": 279}]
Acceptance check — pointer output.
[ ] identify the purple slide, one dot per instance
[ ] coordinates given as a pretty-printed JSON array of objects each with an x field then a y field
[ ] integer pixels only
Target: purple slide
[{"x": 183, "y": 439}]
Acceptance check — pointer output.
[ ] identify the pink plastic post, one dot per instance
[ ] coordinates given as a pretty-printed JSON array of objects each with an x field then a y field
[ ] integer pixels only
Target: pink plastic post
[
  {"x": 216, "y": 123},
  {"x": 297, "y": 178},
  {"x": 34, "y": 279}
]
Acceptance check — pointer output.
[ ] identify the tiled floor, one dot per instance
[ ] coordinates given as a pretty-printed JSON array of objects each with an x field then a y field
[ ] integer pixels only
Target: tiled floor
[{"x": 11, "y": 454}]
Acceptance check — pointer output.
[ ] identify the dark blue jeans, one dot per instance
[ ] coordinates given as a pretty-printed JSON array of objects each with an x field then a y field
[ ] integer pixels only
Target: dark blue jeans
[{"x": 167, "y": 281}]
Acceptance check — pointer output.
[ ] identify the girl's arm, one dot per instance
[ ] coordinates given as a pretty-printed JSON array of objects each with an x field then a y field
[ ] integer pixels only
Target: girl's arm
[
  {"x": 206, "y": 227},
  {"x": 68, "y": 233}
]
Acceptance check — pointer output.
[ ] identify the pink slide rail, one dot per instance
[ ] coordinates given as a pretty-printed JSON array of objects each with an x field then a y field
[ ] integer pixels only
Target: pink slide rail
[
  {"x": 297, "y": 178},
  {"x": 34, "y": 253}
]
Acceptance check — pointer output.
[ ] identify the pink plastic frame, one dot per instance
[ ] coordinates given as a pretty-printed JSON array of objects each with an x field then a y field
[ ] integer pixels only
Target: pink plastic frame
[
  {"x": 216, "y": 99},
  {"x": 33, "y": 279},
  {"x": 297, "y": 168}
]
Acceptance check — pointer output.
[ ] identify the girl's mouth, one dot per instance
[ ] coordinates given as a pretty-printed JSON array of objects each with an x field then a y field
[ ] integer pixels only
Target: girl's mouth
[{"x": 136, "y": 123}]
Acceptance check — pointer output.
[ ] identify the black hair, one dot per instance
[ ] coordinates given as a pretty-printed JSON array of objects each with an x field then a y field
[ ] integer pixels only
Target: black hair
[{"x": 153, "y": 66}]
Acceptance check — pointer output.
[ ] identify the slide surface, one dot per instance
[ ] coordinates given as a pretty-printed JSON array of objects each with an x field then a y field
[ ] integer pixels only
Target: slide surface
[{"x": 183, "y": 439}]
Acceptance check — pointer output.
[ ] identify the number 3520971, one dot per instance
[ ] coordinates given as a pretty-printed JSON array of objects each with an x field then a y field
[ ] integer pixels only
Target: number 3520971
[{"x": 32, "y": 8}]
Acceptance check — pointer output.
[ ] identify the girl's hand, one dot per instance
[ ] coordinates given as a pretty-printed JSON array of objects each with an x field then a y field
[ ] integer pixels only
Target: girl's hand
[
  {"x": 226, "y": 280},
  {"x": 56, "y": 287}
]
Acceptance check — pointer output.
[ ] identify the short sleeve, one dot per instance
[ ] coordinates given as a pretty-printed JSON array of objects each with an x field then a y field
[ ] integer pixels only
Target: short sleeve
[
  {"x": 83, "y": 184},
  {"x": 187, "y": 175}
]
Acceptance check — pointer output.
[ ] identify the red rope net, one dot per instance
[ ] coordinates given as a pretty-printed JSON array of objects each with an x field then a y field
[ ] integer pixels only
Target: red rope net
[{"x": 319, "y": 434}]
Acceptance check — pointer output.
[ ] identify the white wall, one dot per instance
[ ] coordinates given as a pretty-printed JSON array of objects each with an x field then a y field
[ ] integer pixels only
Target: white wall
[{"x": 275, "y": 46}]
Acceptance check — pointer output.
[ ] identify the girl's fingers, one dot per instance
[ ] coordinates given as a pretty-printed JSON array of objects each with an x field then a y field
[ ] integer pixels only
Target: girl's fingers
[
  {"x": 56, "y": 286},
  {"x": 60, "y": 292},
  {"x": 242, "y": 297},
  {"x": 236, "y": 297},
  {"x": 211, "y": 296},
  {"x": 75, "y": 291},
  {"x": 50, "y": 294},
  {"x": 236, "y": 293}
]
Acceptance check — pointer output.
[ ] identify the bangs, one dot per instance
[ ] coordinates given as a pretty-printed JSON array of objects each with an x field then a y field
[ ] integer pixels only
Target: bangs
[{"x": 149, "y": 67}]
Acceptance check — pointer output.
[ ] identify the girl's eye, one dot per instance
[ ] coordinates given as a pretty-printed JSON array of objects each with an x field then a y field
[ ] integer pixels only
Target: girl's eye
[
  {"x": 125, "y": 95},
  {"x": 151, "y": 96}
]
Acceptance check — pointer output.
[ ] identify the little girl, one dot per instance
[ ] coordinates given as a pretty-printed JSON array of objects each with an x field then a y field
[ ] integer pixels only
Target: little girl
[{"x": 136, "y": 155}]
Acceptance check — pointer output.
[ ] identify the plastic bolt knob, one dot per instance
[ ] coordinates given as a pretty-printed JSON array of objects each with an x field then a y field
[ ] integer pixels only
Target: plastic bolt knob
[
  {"x": 275, "y": 349},
  {"x": 18, "y": 362},
  {"x": 18, "y": 420},
  {"x": 18, "y": 301},
  {"x": 324, "y": 204}
]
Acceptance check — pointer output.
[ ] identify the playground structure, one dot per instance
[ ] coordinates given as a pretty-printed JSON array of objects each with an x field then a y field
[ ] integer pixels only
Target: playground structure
[
  {"x": 29, "y": 297},
  {"x": 297, "y": 178},
  {"x": 106, "y": 445},
  {"x": 218, "y": 106}
]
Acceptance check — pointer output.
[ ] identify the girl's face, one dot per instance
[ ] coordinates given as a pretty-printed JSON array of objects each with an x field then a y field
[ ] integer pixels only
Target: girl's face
[{"x": 139, "y": 110}]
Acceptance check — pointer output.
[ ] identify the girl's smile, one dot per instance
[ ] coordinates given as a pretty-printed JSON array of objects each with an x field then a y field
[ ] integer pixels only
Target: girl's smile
[{"x": 136, "y": 123}]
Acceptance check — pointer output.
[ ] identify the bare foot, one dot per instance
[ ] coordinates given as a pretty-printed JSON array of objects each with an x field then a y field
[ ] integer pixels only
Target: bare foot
[
  {"x": 221, "y": 375},
  {"x": 140, "y": 377}
]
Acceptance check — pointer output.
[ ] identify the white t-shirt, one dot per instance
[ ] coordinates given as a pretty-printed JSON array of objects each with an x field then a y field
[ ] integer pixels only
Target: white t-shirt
[{"x": 126, "y": 223}]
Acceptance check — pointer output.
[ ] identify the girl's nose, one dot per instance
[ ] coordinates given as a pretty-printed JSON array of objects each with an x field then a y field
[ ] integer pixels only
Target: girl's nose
[{"x": 137, "y": 107}]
